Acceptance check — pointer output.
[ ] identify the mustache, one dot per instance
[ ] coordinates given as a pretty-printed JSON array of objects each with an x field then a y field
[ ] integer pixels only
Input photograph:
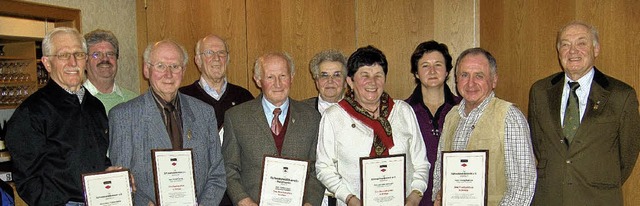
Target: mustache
[{"x": 104, "y": 63}]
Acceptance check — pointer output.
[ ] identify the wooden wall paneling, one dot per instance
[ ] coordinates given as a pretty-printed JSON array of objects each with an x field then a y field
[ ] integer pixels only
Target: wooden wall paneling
[
  {"x": 396, "y": 28},
  {"x": 521, "y": 36},
  {"x": 225, "y": 18},
  {"x": 312, "y": 26},
  {"x": 264, "y": 32},
  {"x": 300, "y": 29},
  {"x": 456, "y": 25},
  {"x": 190, "y": 21}
]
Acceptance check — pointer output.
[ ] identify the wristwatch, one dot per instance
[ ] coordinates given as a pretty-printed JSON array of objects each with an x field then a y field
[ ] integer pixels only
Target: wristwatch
[{"x": 417, "y": 192}]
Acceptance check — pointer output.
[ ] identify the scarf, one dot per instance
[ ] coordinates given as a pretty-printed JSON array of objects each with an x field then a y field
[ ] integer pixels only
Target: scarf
[{"x": 383, "y": 140}]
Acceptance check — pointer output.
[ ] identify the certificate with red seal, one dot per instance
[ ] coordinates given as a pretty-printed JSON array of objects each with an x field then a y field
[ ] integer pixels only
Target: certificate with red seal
[
  {"x": 383, "y": 180},
  {"x": 464, "y": 177},
  {"x": 107, "y": 188},
  {"x": 174, "y": 177},
  {"x": 283, "y": 181}
]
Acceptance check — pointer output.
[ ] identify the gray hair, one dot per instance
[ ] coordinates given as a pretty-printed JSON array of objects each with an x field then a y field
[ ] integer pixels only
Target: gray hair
[
  {"x": 96, "y": 36},
  {"x": 47, "y": 45},
  {"x": 150, "y": 47},
  {"x": 330, "y": 56},
  {"x": 493, "y": 66},
  {"x": 592, "y": 30},
  {"x": 257, "y": 67}
]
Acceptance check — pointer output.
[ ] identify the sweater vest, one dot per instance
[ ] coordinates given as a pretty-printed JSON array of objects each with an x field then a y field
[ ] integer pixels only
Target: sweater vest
[{"x": 487, "y": 134}]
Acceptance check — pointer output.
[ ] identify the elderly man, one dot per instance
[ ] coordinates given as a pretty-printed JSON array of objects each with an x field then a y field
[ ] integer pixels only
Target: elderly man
[
  {"x": 484, "y": 122},
  {"x": 212, "y": 58},
  {"x": 163, "y": 118},
  {"x": 60, "y": 131},
  {"x": 271, "y": 124},
  {"x": 584, "y": 126},
  {"x": 102, "y": 67},
  {"x": 329, "y": 71}
]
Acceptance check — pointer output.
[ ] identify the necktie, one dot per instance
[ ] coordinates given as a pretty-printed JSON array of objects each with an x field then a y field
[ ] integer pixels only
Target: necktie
[
  {"x": 571, "y": 113},
  {"x": 173, "y": 127},
  {"x": 276, "y": 126}
]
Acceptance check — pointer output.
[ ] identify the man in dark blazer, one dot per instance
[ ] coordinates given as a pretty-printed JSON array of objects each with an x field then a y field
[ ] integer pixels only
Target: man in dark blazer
[
  {"x": 249, "y": 136},
  {"x": 589, "y": 165},
  {"x": 144, "y": 123}
]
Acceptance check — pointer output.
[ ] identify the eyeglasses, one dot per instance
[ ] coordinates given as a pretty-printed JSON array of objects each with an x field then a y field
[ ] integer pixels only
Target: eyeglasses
[
  {"x": 65, "y": 56},
  {"x": 161, "y": 67},
  {"x": 209, "y": 53},
  {"x": 100, "y": 55},
  {"x": 327, "y": 76}
]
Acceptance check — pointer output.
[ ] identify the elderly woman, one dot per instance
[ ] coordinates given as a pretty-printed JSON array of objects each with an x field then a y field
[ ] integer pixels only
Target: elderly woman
[
  {"x": 431, "y": 99},
  {"x": 368, "y": 123},
  {"x": 329, "y": 70}
]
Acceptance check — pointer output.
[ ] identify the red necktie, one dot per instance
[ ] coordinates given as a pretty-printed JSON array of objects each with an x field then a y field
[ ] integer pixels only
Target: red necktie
[{"x": 276, "y": 126}]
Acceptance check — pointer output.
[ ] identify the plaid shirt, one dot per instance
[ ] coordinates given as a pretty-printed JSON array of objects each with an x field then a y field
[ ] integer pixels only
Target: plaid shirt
[{"x": 520, "y": 168}]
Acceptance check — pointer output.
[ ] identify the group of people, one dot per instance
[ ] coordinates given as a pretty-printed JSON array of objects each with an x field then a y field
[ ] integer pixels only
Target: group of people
[{"x": 576, "y": 148}]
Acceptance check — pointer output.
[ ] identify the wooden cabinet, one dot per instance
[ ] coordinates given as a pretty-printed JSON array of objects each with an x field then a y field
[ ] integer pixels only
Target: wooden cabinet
[
  {"x": 19, "y": 75},
  {"x": 22, "y": 26}
]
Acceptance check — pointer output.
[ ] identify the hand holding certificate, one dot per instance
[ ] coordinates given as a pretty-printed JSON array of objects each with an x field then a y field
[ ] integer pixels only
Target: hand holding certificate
[
  {"x": 283, "y": 181},
  {"x": 107, "y": 188},
  {"x": 464, "y": 178},
  {"x": 173, "y": 171}
]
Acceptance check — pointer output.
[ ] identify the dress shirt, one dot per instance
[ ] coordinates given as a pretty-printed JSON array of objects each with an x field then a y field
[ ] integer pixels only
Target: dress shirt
[
  {"x": 520, "y": 163},
  {"x": 324, "y": 104},
  {"x": 582, "y": 92},
  {"x": 268, "y": 110},
  {"x": 212, "y": 92}
]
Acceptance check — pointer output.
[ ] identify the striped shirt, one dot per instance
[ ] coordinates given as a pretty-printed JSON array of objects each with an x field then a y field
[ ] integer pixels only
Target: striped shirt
[{"x": 520, "y": 168}]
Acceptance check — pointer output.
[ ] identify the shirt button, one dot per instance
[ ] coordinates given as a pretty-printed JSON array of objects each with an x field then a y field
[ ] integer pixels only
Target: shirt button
[{"x": 568, "y": 161}]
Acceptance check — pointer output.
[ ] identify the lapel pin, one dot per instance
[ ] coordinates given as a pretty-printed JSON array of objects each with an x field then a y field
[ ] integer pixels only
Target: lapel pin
[
  {"x": 233, "y": 103},
  {"x": 595, "y": 107},
  {"x": 189, "y": 134}
]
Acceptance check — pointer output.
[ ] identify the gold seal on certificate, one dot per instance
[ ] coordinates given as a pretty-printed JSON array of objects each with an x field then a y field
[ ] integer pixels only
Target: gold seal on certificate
[
  {"x": 283, "y": 181},
  {"x": 464, "y": 177},
  {"x": 174, "y": 181},
  {"x": 383, "y": 180},
  {"x": 107, "y": 188}
]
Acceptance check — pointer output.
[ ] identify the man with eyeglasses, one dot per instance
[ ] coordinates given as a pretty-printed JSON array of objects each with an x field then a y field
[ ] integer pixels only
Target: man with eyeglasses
[
  {"x": 212, "y": 58},
  {"x": 102, "y": 66},
  {"x": 61, "y": 131},
  {"x": 328, "y": 69},
  {"x": 163, "y": 118}
]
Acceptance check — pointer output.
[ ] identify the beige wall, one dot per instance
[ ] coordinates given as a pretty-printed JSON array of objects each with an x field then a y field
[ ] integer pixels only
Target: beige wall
[{"x": 119, "y": 16}]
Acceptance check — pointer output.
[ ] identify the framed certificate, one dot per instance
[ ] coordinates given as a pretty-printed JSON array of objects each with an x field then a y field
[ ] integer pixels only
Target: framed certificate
[
  {"x": 107, "y": 188},
  {"x": 464, "y": 177},
  {"x": 283, "y": 181},
  {"x": 383, "y": 180},
  {"x": 174, "y": 181}
]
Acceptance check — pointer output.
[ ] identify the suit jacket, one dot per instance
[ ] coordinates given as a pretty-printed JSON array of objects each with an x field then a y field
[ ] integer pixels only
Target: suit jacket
[
  {"x": 313, "y": 102},
  {"x": 593, "y": 168},
  {"x": 248, "y": 137},
  {"x": 137, "y": 127}
]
